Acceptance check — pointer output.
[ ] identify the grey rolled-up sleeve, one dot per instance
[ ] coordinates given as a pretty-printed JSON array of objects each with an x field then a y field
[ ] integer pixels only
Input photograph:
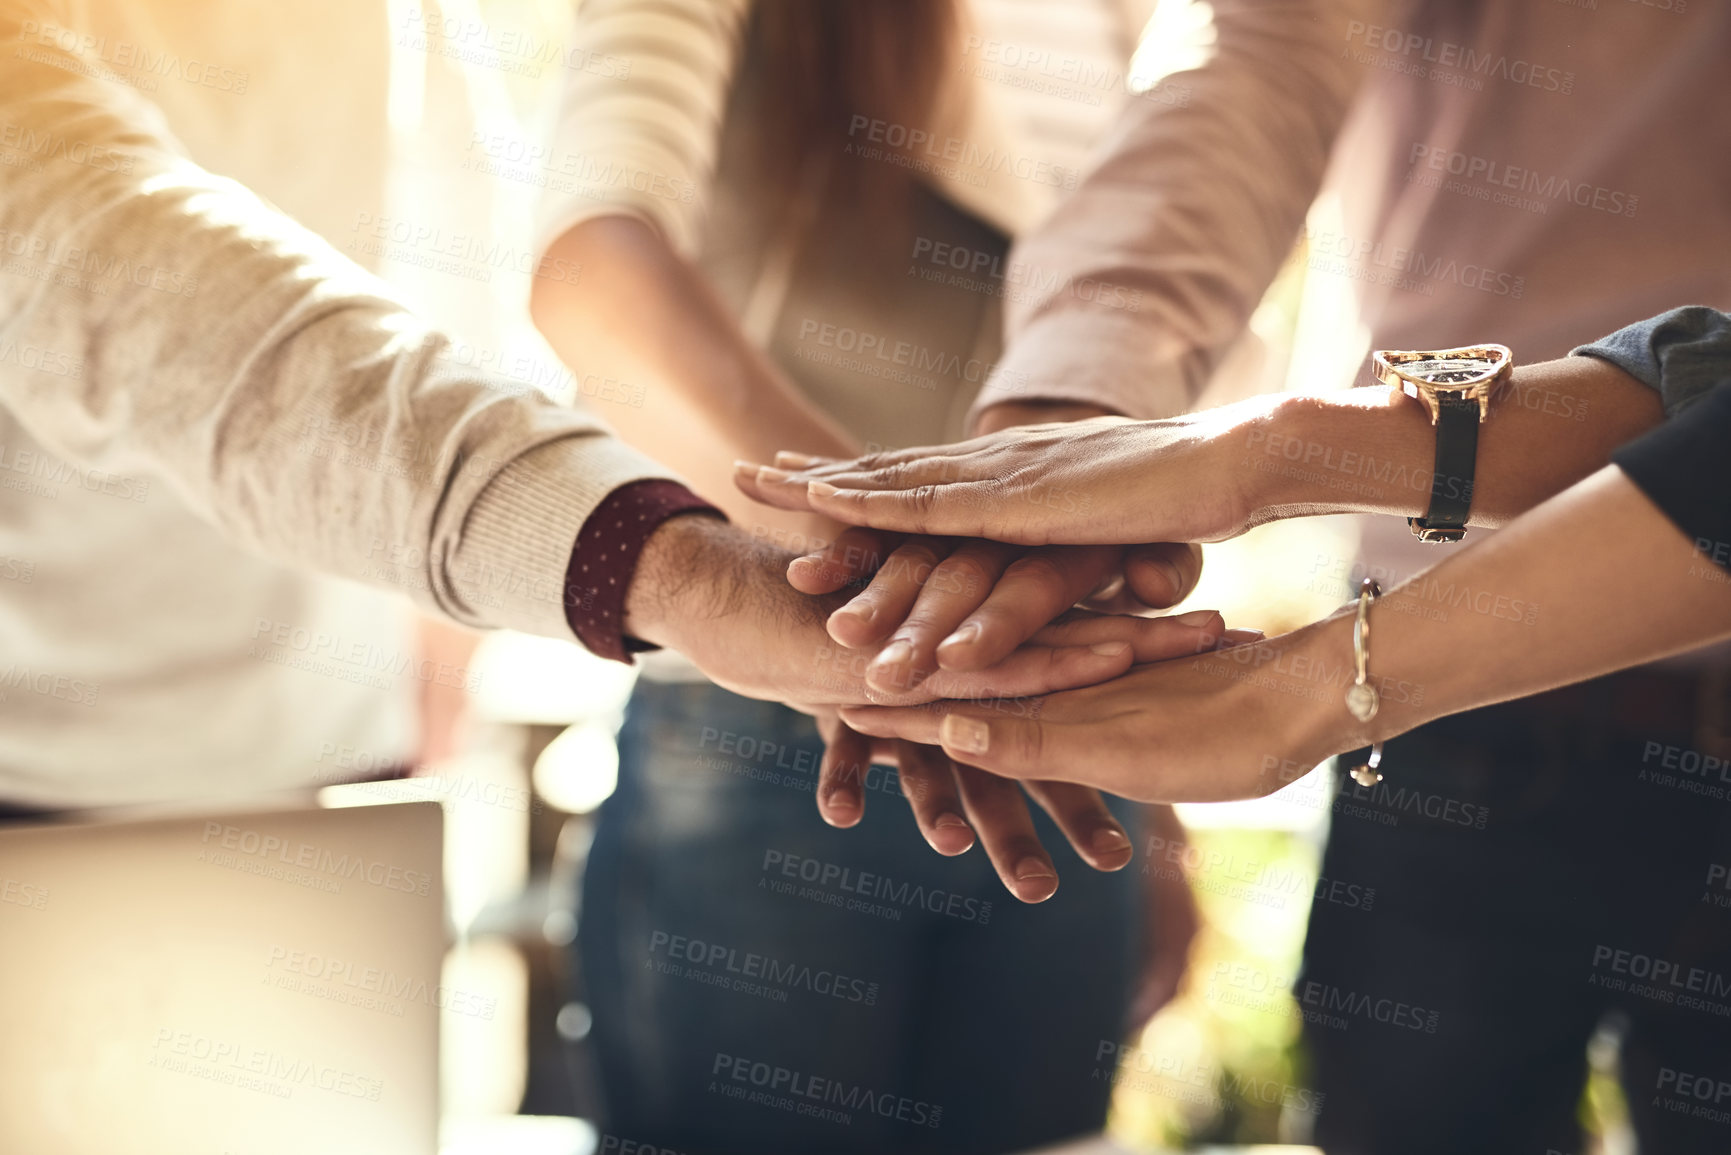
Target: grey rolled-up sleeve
[{"x": 1684, "y": 465}]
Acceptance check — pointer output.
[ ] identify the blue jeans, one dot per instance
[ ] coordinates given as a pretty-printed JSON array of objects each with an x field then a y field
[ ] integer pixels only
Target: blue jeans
[
  {"x": 763, "y": 983},
  {"x": 1537, "y": 864}
]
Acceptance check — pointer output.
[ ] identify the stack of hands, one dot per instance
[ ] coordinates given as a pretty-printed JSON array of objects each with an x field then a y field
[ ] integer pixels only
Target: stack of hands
[{"x": 986, "y": 622}]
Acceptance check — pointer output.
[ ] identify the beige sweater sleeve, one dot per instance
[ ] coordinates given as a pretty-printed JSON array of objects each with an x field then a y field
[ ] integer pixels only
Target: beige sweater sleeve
[
  {"x": 158, "y": 314},
  {"x": 1130, "y": 292}
]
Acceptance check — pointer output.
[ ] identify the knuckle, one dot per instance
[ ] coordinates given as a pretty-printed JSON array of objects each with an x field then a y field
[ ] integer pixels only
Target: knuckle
[
  {"x": 1042, "y": 568},
  {"x": 965, "y": 573},
  {"x": 1028, "y": 743}
]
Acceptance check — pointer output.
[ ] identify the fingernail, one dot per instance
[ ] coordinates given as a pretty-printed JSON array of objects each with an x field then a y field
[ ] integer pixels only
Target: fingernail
[
  {"x": 842, "y": 808},
  {"x": 1109, "y": 649},
  {"x": 1197, "y": 618},
  {"x": 1110, "y": 840},
  {"x": 865, "y": 615},
  {"x": 744, "y": 467},
  {"x": 969, "y": 735},
  {"x": 793, "y": 460},
  {"x": 966, "y": 636},
  {"x": 1173, "y": 575},
  {"x": 950, "y": 835},
  {"x": 897, "y": 653},
  {"x": 1031, "y": 868},
  {"x": 821, "y": 489}
]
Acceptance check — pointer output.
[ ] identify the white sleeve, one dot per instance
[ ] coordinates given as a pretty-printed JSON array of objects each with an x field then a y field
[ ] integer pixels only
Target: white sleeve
[{"x": 639, "y": 122}]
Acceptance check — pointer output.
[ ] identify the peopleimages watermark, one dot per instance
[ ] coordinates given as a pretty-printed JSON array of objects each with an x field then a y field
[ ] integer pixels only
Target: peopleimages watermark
[
  {"x": 781, "y": 764},
  {"x": 1035, "y": 68},
  {"x": 1176, "y": 1077},
  {"x": 470, "y": 255},
  {"x": 731, "y": 968},
  {"x": 1660, "y": 980},
  {"x": 1317, "y": 1003},
  {"x": 1684, "y": 768},
  {"x": 612, "y": 1144},
  {"x": 1410, "y": 270},
  {"x": 137, "y": 65},
  {"x": 368, "y": 988},
  {"x": 488, "y": 44},
  {"x": 953, "y": 157},
  {"x": 32, "y": 144},
  {"x": 1705, "y": 1097},
  {"x": 17, "y": 892},
  {"x": 814, "y": 1096},
  {"x": 352, "y": 660},
  {"x": 303, "y": 863},
  {"x": 843, "y": 887},
  {"x": 38, "y": 472},
  {"x": 559, "y": 170},
  {"x": 1383, "y": 803},
  {"x": 1423, "y": 596},
  {"x": 1448, "y": 62},
  {"x": 1497, "y": 182},
  {"x": 1711, "y": 560},
  {"x": 353, "y": 764},
  {"x": 991, "y": 272},
  {"x": 1718, "y": 885},
  {"x": 1251, "y": 881},
  {"x": 252, "y": 1068},
  {"x": 60, "y": 687}
]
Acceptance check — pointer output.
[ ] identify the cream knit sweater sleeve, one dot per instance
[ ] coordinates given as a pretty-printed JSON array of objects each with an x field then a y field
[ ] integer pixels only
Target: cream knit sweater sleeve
[{"x": 288, "y": 394}]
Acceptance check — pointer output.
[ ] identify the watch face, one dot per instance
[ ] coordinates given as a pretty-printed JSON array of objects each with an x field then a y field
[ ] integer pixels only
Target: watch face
[{"x": 1449, "y": 370}]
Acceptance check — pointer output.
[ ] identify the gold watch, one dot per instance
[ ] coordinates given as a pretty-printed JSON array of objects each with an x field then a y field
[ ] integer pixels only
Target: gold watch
[{"x": 1456, "y": 387}]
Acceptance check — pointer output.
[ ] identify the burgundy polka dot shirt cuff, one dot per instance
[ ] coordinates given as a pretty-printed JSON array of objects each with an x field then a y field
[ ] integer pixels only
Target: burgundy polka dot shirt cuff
[{"x": 605, "y": 558}]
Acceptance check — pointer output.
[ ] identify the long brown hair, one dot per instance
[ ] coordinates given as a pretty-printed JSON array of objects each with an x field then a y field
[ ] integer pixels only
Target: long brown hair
[{"x": 829, "y": 62}]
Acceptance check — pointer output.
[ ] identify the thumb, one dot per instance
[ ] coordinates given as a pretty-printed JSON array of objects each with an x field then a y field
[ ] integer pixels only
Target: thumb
[
  {"x": 1008, "y": 746},
  {"x": 1162, "y": 574}
]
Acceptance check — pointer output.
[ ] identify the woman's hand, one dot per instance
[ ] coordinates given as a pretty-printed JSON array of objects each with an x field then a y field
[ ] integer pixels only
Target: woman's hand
[
  {"x": 933, "y": 603},
  {"x": 951, "y": 800},
  {"x": 1225, "y": 725},
  {"x": 1108, "y": 480}
]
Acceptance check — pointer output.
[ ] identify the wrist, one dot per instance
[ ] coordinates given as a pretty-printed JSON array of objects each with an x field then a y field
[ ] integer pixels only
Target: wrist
[
  {"x": 1319, "y": 725},
  {"x": 1356, "y": 451},
  {"x": 720, "y": 597},
  {"x": 687, "y": 573},
  {"x": 1294, "y": 687}
]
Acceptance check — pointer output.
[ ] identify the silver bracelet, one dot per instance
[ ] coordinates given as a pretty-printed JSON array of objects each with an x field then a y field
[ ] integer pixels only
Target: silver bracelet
[{"x": 1362, "y": 699}]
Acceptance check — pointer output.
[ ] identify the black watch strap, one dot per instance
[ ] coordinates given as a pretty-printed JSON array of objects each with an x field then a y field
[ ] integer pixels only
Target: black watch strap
[{"x": 1457, "y": 450}]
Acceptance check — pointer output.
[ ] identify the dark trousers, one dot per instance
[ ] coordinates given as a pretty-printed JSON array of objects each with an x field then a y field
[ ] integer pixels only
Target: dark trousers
[
  {"x": 1541, "y": 868},
  {"x": 761, "y": 983}
]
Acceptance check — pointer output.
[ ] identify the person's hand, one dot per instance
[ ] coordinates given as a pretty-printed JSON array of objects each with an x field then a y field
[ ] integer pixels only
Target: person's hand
[
  {"x": 950, "y": 800},
  {"x": 1238, "y": 723},
  {"x": 1109, "y": 480},
  {"x": 959, "y": 605},
  {"x": 721, "y": 599},
  {"x": 709, "y": 591}
]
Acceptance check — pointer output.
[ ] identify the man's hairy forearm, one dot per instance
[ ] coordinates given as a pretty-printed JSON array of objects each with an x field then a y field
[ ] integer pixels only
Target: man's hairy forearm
[{"x": 694, "y": 570}]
